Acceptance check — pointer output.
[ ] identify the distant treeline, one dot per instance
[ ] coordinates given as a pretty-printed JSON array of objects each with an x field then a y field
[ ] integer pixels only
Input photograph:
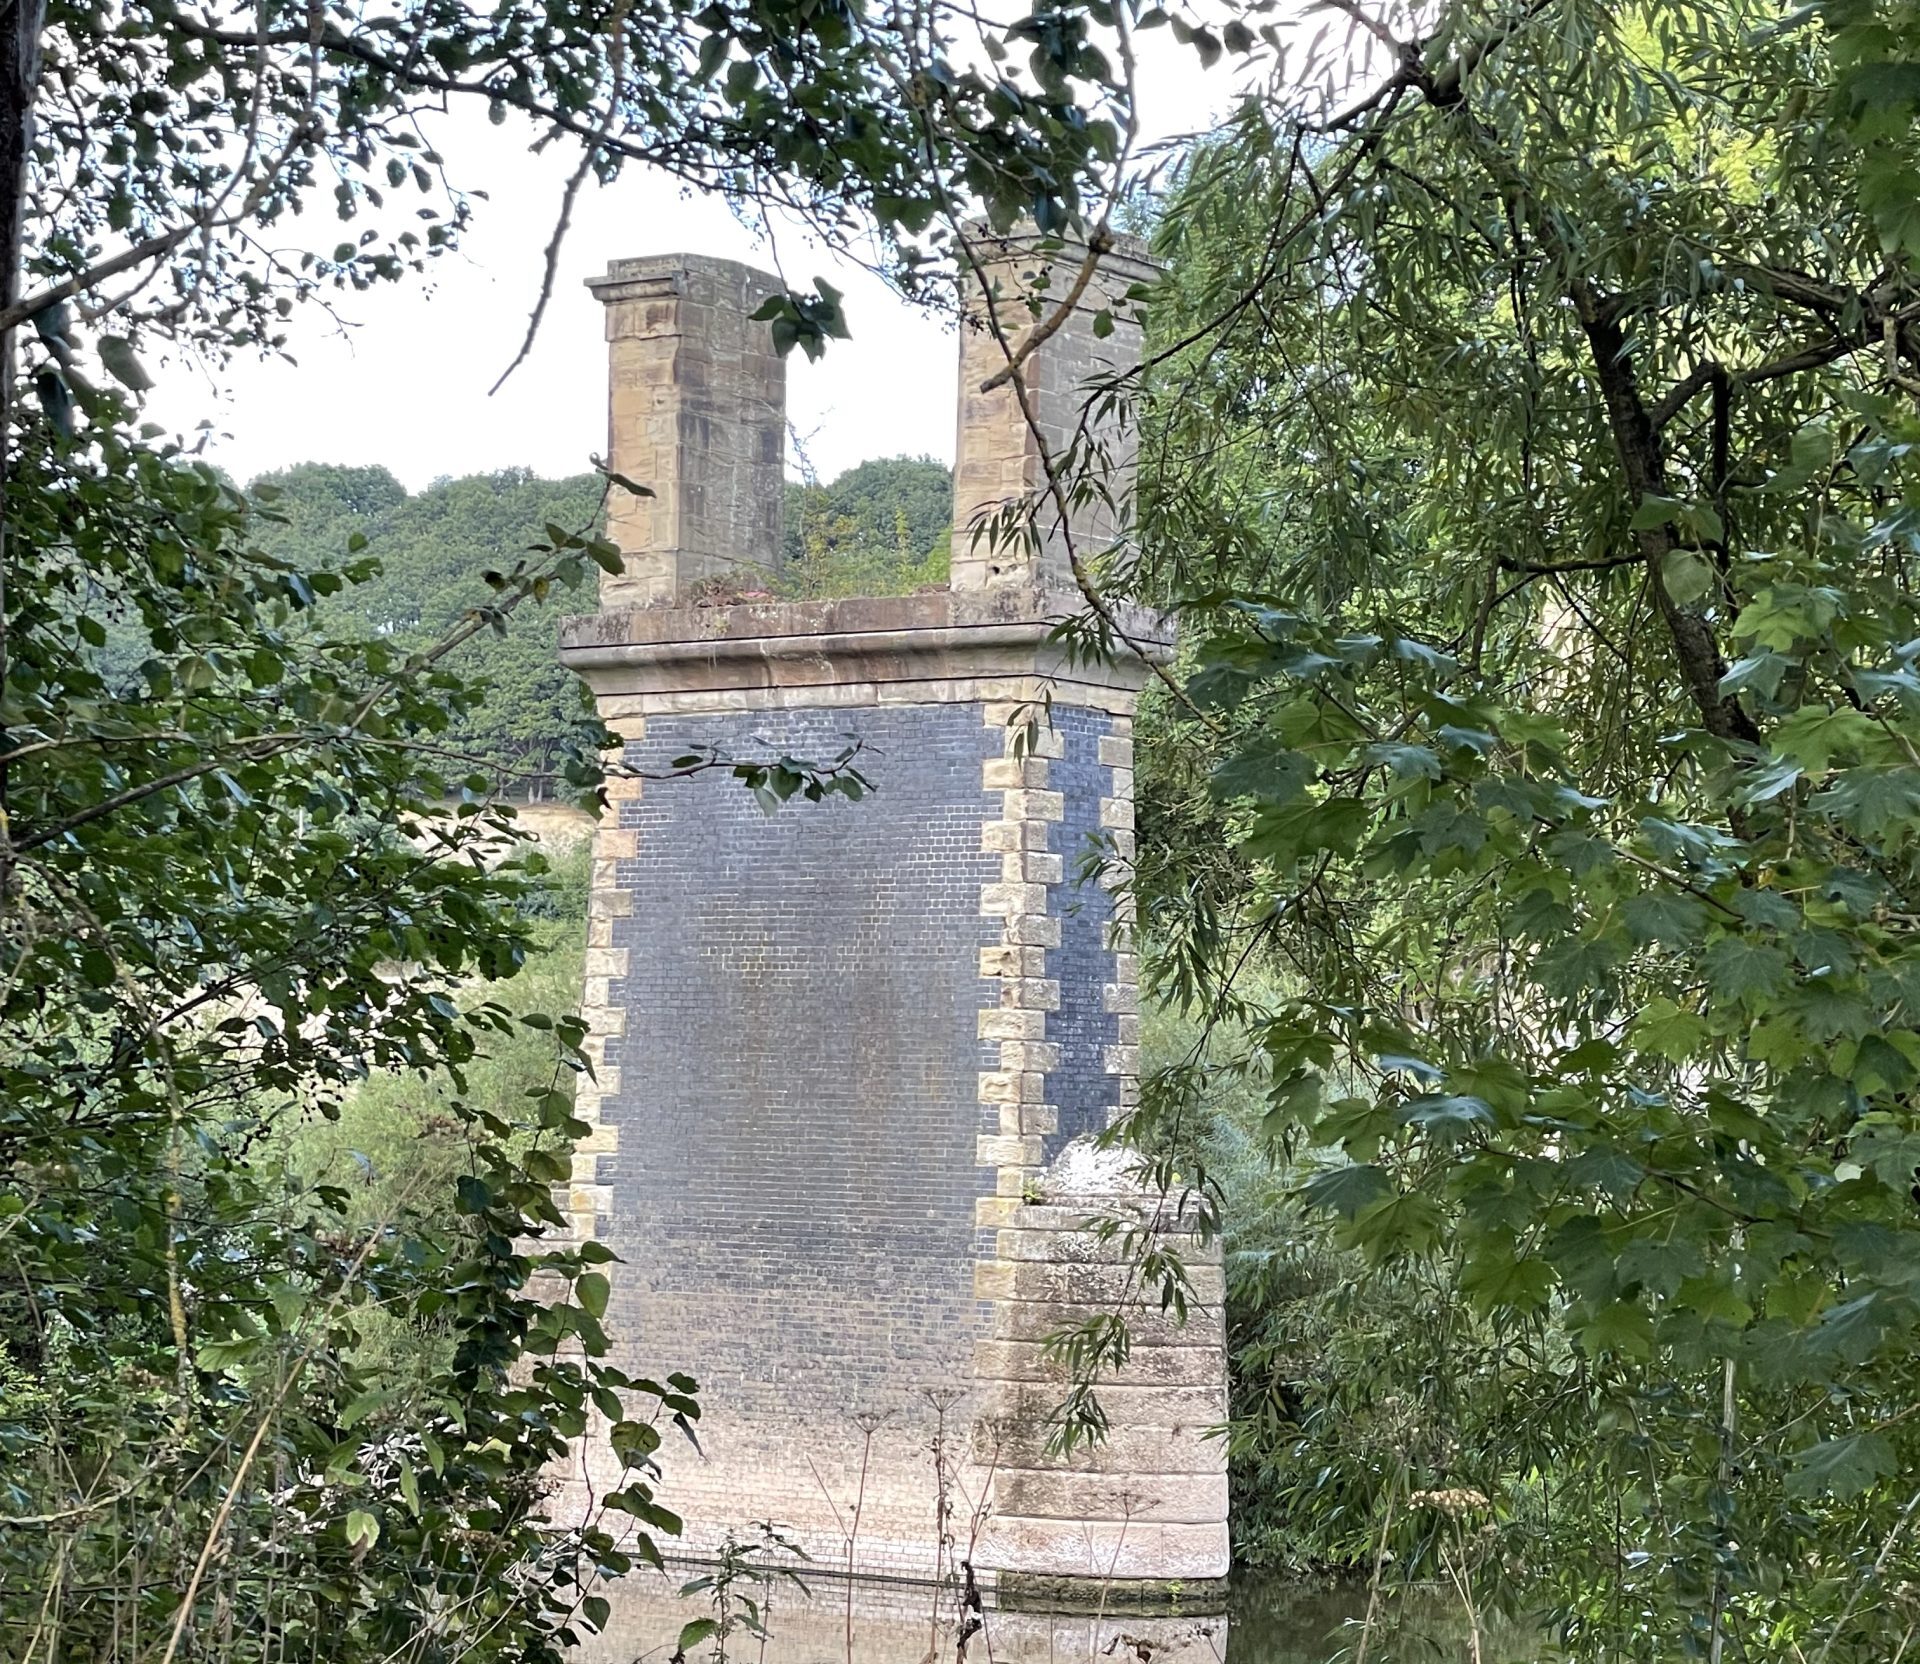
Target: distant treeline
[{"x": 879, "y": 529}]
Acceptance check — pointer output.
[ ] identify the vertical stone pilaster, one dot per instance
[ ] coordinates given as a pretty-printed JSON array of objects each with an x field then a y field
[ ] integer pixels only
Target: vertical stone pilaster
[
  {"x": 1016, "y": 1115},
  {"x": 603, "y": 1004},
  {"x": 1121, "y": 997},
  {"x": 696, "y": 415},
  {"x": 1077, "y": 418},
  {"x": 1151, "y": 1500}
]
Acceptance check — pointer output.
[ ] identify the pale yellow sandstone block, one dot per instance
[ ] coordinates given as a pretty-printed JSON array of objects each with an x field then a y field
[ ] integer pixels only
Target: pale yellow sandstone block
[
  {"x": 1032, "y": 867},
  {"x": 1007, "y": 1024}
]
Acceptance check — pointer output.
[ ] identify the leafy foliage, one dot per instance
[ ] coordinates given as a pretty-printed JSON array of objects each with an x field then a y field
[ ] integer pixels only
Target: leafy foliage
[
  {"x": 882, "y": 528},
  {"x": 252, "y": 854},
  {"x": 430, "y": 551},
  {"x": 233, "y": 894},
  {"x": 1531, "y": 467},
  {"x": 191, "y": 142},
  {"x": 878, "y": 529}
]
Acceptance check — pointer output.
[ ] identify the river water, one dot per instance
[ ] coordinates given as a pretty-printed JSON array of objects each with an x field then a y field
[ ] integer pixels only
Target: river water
[{"x": 1263, "y": 1620}]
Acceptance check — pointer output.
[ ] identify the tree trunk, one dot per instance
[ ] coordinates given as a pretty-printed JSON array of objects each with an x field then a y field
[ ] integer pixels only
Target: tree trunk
[
  {"x": 20, "y": 32},
  {"x": 1644, "y": 467}
]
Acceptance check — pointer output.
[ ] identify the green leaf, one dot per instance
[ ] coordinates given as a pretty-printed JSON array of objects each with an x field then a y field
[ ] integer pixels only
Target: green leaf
[
  {"x": 117, "y": 355},
  {"x": 1845, "y": 1467},
  {"x": 1402, "y": 1225},
  {"x": 1888, "y": 1149},
  {"x": 1661, "y": 916},
  {"x": 693, "y": 1633},
  {"x": 1613, "y": 1171},
  {"x": 1686, "y": 574},
  {"x": 359, "y": 1408},
  {"x": 1406, "y": 762},
  {"x": 1658, "y": 1266},
  {"x": 591, "y": 1290},
  {"x": 1873, "y": 801},
  {"x": 1890, "y": 192},
  {"x": 1759, "y": 673},
  {"x": 1347, "y": 1188},
  {"x": 1618, "y": 1327},
  {"x": 1290, "y": 834},
  {"x": 1815, "y": 733},
  {"x": 633, "y": 1441},
  {"x": 1265, "y": 769},
  {"x": 1668, "y": 1031},
  {"x": 1746, "y": 972},
  {"x": 1783, "y": 615},
  {"x": 1496, "y": 1279},
  {"x": 1447, "y": 1117},
  {"x": 1811, "y": 454},
  {"x": 1292, "y": 1101},
  {"x": 363, "y": 1530}
]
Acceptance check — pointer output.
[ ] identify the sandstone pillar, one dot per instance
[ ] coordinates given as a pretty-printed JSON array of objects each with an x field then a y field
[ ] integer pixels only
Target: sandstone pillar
[
  {"x": 1077, "y": 402},
  {"x": 696, "y": 414},
  {"x": 850, "y": 1059}
]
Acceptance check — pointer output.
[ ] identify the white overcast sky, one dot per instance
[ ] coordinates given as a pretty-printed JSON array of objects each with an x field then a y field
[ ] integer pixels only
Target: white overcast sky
[{"x": 406, "y": 384}]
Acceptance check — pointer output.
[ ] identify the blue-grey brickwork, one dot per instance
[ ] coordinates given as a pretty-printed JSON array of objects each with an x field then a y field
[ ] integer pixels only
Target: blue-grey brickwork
[
  {"x": 1080, "y": 1088},
  {"x": 794, "y": 1183}
]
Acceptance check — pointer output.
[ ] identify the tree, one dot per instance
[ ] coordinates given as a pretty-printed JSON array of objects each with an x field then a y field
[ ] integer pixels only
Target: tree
[
  {"x": 186, "y": 142},
  {"x": 231, "y": 884},
  {"x": 433, "y": 550},
  {"x": 233, "y": 892},
  {"x": 879, "y": 528},
  {"x": 1530, "y": 461}
]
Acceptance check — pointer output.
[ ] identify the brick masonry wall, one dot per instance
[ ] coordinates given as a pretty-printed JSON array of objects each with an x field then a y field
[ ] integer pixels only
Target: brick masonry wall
[
  {"x": 848, "y": 1060},
  {"x": 788, "y": 1156},
  {"x": 1084, "y": 1089}
]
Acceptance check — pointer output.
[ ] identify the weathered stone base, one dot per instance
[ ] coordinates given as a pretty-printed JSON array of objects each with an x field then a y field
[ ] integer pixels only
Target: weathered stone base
[
  {"x": 876, "y": 1622},
  {"x": 1149, "y": 1500},
  {"x": 1174, "y": 1599}
]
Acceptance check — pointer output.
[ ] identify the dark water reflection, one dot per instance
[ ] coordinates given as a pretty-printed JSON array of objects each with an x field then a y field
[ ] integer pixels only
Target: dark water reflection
[
  {"x": 1264, "y": 1620},
  {"x": 1276, "y": 1620}
]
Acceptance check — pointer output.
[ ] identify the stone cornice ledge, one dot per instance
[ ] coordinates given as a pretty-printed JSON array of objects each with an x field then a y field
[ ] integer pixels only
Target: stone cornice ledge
[{"x": 990, "y": 644}]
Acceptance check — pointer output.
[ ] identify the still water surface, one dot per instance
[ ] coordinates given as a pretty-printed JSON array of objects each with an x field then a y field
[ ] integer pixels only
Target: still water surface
[{"x": 1264, "y": 1620}]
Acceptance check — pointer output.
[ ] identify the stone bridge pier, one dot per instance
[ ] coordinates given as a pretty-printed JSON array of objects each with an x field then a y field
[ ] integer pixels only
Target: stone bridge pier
[{"x": 850, "y": 1056}]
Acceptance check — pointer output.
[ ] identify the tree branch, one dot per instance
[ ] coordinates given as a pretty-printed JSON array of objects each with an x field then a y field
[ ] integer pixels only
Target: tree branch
[
  {"x": 1600, "y": 563},
  {"x": 1705, "y": 374},
  {"x": 1037, "y": 337},
  {"x": 1372, "y": 25},
  {"x": 617, "y": 57}
]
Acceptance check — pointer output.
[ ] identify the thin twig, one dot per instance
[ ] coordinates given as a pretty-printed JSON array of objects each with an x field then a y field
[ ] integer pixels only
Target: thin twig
[
  {"x": 1097, "y": 245},
  {"x": 589, "y": 154}
]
